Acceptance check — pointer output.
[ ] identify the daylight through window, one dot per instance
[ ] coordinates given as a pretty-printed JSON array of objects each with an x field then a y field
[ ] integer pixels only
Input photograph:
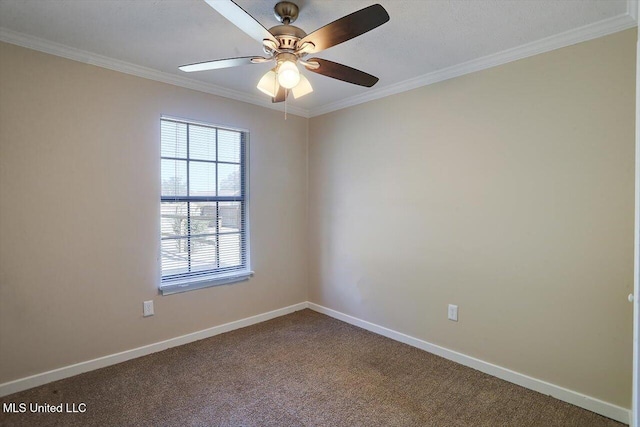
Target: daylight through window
[{"x": 203, "y": 205}]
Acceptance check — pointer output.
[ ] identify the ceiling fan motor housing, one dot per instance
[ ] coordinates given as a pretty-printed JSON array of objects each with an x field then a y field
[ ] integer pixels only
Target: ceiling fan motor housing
[{"x": 287, "y": 35}]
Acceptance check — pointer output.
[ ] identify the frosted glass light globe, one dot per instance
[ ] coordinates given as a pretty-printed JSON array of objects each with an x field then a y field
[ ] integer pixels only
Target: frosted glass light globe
[
  {"x": 288, "y": 75},
  {"x": 267, "y": 84}
]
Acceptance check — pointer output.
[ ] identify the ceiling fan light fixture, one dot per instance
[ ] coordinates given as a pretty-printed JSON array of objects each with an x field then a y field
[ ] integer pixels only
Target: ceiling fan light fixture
[
  {"x": 287, "y": 45},
  {"x": 302, "y": 88},
  {"x": 288, "y": 75},
  {"x": 268, "y": 84}
]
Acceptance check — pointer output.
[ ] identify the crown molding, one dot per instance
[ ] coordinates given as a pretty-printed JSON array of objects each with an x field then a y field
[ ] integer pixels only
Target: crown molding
[
  {"x": 46, "y": 46},
  {"x": 574, "y": 36},
  {"x": 568, "y": 38},
  {"x": 632, "y": 9}
]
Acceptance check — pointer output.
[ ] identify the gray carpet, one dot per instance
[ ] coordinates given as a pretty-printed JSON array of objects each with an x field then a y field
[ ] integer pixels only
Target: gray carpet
[{"x": 303, "y": 369}]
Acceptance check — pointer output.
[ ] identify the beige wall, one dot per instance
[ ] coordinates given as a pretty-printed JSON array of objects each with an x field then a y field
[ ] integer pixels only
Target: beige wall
[
  {"x": 509, "y": 192},
  {"x": 79, "y": 212}
]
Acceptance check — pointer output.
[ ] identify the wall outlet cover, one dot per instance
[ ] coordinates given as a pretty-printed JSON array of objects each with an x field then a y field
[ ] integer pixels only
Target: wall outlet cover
[
  {"x": 453, "y": 312},
  {"x": 147, "y": 308}
]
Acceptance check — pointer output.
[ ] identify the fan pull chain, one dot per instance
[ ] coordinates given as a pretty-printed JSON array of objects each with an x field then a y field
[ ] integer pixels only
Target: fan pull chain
[{"x": 286, "y": 95}]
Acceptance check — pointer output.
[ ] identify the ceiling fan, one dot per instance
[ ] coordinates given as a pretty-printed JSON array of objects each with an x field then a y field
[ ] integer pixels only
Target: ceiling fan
[{"x": 287, "y": 45}]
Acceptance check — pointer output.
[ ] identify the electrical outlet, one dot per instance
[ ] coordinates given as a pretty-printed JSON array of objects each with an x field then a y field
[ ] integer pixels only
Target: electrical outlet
[
  {"x": 147, "y": 308},
  {"x": 453, "y": 312}
]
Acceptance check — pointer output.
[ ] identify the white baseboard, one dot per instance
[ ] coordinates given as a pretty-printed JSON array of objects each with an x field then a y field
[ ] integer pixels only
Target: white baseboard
[
  {"x": 101, "y": 362},
  {"x": 598, "y": 406}
]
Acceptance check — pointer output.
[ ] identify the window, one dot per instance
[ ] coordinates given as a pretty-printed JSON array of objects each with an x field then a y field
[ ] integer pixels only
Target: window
[{"x": 203, "y": 211}]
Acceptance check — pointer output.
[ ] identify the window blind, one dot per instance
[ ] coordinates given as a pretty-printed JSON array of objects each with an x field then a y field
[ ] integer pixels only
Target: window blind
[{"x": 203, "y": 205}]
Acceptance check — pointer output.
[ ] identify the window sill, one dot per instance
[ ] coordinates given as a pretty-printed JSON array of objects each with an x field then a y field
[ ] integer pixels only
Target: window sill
[{"x": 204, "y": 282}]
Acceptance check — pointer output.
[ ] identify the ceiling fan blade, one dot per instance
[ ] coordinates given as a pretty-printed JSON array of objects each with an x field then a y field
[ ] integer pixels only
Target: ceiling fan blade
[
  {"x": 281, "y": 95},
  {"x": 241, "y": 19},
  {"x": 342, "y": 72},
  {"x": 346, "y": 28},
  {"x": 220, "y": 63}
]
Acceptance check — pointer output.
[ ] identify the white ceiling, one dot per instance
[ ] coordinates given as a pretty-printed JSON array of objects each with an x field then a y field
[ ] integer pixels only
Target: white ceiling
[{"x": 422, "y": 38}]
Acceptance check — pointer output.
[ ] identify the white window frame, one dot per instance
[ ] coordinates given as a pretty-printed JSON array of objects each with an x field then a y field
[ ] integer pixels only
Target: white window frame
[{"x": 199, "y": 281}]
